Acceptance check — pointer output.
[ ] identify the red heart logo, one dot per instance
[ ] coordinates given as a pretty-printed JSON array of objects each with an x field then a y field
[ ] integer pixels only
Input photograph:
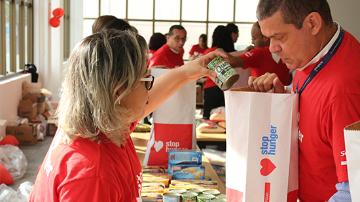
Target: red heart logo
[{"x": 266, "y": 167}]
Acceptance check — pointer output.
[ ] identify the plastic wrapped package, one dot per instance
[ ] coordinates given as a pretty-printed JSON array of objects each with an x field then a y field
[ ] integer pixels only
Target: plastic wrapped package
[
  {"x": 21, "y": 195},
  {"x": 13, "y": 160}
]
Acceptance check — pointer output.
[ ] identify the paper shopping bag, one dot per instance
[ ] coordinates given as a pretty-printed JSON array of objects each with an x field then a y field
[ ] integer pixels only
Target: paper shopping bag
[
  {"x": 174, "y": 124},
  {"x": 352, "y": 146},
  {"x": 261, "y": 147}
]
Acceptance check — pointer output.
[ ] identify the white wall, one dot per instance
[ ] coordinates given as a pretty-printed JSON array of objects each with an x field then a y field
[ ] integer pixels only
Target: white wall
[
  {"x": 48, "y": 42},
  {"x": 11, "y": 92},
  {"x": 347, "y": 14}
]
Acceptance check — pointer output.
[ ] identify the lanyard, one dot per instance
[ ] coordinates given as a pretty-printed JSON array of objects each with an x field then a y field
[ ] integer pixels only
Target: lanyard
[{"x": 322, "y": 63}]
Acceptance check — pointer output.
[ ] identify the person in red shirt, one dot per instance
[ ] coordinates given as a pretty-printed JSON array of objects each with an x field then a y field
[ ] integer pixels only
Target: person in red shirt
[
  {"x": 199, "y": 49},
  {"x": 213, "y": 95},
  {"x": 327, "y": 63},
  {"x": 106, "y": 89},
  {"x": 171, "y": 54},
  {"x": 157, "y": 40},
  {"x": 260, "y": 60}
]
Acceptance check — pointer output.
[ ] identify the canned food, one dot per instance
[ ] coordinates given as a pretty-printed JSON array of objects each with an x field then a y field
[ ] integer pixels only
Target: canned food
[
  {"x": 226, "y": 75},
  {"x": 189, "y": 197},
  {"x": 205, "y": 198},
  {"x": 171, "y": 197},
  {"x": 214, "y": 192},
  {"x": 196, "y": 190}
]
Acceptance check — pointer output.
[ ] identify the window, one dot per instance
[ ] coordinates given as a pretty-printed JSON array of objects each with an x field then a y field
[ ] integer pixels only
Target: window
[
  {"x": 198, "y": 17},
  {"x": 15, "y": 35}
]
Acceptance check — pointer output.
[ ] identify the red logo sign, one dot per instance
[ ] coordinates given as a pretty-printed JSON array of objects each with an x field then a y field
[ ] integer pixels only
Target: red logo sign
[{"x": 267, "y": 167}]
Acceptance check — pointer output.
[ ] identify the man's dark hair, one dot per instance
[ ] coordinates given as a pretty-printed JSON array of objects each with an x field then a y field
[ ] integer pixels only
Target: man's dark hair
[
  {"x": 107, "y": 22},
  {"x": 232, "y": 28},
  {"x": 203, "y": 36},
  {"x": 156, "y": 41},
  {"x": 175, "y": 27},
  {"x": 294, "y": 11},
  {"x": 221, "y": 38}
]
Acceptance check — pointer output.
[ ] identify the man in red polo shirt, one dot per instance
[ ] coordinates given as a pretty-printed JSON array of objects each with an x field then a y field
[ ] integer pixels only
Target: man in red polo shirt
[
  {"x": 327, "y": 60},
  {"x": 171, "y": 54}
]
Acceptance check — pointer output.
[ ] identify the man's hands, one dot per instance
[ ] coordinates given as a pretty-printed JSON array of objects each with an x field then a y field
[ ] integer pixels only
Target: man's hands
[{"x": 266, "y": 82}]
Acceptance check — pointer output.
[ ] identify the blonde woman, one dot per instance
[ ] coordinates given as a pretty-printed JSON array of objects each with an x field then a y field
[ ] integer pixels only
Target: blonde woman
[{"x": 105, "y": 92}]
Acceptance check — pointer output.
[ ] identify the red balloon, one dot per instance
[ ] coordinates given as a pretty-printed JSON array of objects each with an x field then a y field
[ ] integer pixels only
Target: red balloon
[
  {"x": 58, "y": 12},
  {"x": 54, "y": 22}
]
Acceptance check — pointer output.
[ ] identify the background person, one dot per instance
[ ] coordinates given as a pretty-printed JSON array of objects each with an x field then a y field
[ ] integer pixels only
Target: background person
[
  {"x": 199, "y": 49},
  {"x": 171, "y": 54}
]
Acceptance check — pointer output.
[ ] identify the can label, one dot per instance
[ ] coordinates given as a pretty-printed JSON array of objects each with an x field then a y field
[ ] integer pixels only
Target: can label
[
  {"x": 189, "y": 197},
  {"x": 226, "y": 75}
]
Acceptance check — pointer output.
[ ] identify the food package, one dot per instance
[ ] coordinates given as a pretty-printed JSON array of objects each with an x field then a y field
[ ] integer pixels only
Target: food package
[{"x": 189, "y": 157}]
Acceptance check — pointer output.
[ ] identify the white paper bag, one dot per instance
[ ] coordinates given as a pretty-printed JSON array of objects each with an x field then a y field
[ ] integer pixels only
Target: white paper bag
[
  {"x": 261, "y": 144},
  {"x": 174, "y": 124},
  {"x": 352, "y": 146}
]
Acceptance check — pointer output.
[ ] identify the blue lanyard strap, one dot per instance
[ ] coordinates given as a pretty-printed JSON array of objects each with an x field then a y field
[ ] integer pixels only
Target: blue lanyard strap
[{"x": 322, "y": 63}]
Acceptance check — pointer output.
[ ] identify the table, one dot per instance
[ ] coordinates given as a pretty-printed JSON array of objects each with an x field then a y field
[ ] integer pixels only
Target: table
[
  {"x": 140, "y": 141},
  {"x": 210, "y": 137}
]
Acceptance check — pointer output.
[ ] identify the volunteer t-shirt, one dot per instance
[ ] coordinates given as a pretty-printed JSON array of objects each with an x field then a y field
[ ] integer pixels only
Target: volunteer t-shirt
[
  {"x": 328, "y": 104},
  {"x": 196, "y": 49},
  {"x": 260, "y": 60},
  {"x": 164, "y": 57},
  {"x": 87, "y": 171}
]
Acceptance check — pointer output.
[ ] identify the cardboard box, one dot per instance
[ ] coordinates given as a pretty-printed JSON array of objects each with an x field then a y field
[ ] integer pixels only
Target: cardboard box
[
  {"x": 352, "y": 145},
  {"x": 32, "y": 96},
  {"x": 26, "y": 134},
  {"x": 27, "y": 109},
  {"x": 51, "y": 127}
]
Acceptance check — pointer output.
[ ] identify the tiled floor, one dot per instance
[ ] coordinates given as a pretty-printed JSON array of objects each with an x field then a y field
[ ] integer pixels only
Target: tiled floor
[{"x": 34, "y": 155}]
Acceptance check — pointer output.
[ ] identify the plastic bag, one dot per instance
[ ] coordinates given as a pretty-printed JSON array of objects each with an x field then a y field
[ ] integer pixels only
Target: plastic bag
[
  {"x": 13, "y": 160},
  {"x": 21, "y": 195}
]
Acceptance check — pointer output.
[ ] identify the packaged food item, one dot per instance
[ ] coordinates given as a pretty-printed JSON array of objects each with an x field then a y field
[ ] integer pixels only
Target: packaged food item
[
  {"x": 156, "y": 177},
  {"x": 210, "y": 127},
  {"x": 171, "y": 197},
  {"x": 177, "y": 191},
  {"x": 190, "y": 157},
  {"x": 194, "y": 172},
  {"x": 226, "y": 75},
  {"x": 190, "y": 184},
  {"x": 153, "y": 187},
  {"x": 154, "y": 169},
  {"x": 214, "y": 192},
  {"x": 151, "y": 197}
]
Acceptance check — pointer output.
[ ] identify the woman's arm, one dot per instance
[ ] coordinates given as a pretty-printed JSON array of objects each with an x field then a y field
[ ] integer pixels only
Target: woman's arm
[{"x": 167, "y": 84}]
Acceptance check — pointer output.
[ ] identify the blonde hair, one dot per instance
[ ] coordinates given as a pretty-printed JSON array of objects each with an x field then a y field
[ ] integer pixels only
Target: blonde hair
[{"x": 103, "y": 69}]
